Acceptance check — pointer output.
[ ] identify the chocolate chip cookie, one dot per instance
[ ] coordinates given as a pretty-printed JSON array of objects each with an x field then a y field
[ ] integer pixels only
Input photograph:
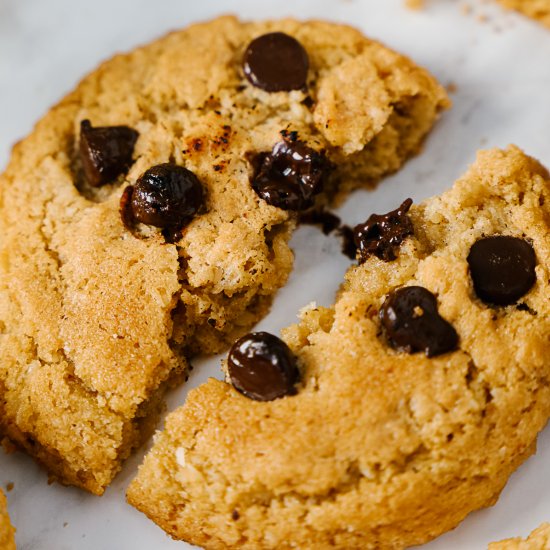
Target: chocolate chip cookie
[
  {"x": 147, "y": 217},
  {"x": 7, "y": 532},
  {"x": 381, "y": 422}
]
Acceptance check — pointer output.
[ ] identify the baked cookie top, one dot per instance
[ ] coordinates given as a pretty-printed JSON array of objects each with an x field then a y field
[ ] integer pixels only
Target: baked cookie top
[
  {"x": 6, "y": 530},
  {"x": 99, "y": 306},
  {"x": 539, "y": 539},
  {"x": 419, "y": 391}
]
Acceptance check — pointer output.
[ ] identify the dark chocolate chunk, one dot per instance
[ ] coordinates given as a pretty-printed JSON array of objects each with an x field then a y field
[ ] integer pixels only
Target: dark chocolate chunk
[
  {"x": 276, "y": 62},
  {"x": 502, "y": 269},
  {"x": 381, "y": 234},
  {"x": 280, "y": 192},
  {"x": 166, "y": 196},
  {"x": 411, "y": 322},
  {"x": 262, "y": 367},
  {"x": 291, "y": 175},
  {"x": 106, "y": 152}
]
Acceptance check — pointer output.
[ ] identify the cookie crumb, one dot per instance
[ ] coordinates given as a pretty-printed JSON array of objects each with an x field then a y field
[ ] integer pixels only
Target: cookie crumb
[
  {"x": 537, "y": 539},
  {"x": 9, "y": 486},
  {"x": 415, "y": 4},
  {"x": 451, "y": 87}
]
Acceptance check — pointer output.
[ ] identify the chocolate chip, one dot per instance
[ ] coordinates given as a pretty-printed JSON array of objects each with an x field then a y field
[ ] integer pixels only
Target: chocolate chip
[
  {"x": 381, "y": 234},
  {"x": 166, "y": 196},
  {"x": 411, "y": 322},
  {"x": 276, "y": 62},
  {"x": 291, "y": 175},
  {"x": 502, "y": 269},
  {"x": 262, "y": 367},
  {"x": 106, "y": 152}
]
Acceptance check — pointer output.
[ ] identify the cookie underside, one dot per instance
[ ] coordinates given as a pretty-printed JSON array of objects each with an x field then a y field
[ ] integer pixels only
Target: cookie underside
[
  {"x": 94, "y": 322},
  {"x": 378, "y": 449}
]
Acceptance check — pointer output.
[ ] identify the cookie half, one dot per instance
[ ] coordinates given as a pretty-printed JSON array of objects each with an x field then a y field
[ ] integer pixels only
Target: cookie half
[
  {"x": 536, "y": 9},
  {"x": 7, "y": 532},
  {"x": 539, "y": 539},
  {"x": 148, "y": 215},
  {"x": 418, "y": 393}
]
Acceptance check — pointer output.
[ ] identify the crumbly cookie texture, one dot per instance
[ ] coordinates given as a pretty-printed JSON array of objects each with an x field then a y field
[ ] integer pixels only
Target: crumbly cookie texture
[
  {"x": 94, "y": 321},
  {"x": 539, "y": 539},
  {"x": 537, "y": 9},
  {"x": 7, "y": 532},
  {"x": 378, "y": 448}
]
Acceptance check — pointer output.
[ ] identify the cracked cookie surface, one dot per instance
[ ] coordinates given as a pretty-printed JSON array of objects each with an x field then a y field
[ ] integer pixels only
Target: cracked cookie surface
[
  {"x": 379, "y": 448},
  {"x": 96, "y": 320},
  {"x": 6, "y": 530}
]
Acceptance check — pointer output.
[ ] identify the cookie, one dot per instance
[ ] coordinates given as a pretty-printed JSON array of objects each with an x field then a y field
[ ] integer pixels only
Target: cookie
[
  {"x": 147, "y": 217},
  {"x": 539, "y": 539},
  {"x": 536, "y": 9},
  {"x": 7, "y": 532},
  {"x": 397, "y": 411}
]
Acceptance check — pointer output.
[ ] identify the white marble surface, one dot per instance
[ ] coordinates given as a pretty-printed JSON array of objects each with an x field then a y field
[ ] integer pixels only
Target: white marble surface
[{"x": 502, "y": 72}]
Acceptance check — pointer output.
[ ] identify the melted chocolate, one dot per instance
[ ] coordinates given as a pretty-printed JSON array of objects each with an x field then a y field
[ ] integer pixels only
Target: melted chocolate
[
  {"x": 276, "y": 62},
  {"x": 348, "y": 241},
  {"x": 382, "y": 234},
  {"x": 166, "y": 196},
  {"x": 502, "y": 269},
  {"x": 262, "y": 367},
  {"x": 106, "y": 152},
  {"x": 291, "y": 175},
  {"x": 411, "y": 322},
  {"x": 328, "y": 221}
]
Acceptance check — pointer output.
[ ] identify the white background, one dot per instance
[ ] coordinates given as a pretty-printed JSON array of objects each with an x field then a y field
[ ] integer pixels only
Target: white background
[{"x": 500, "y": 64}]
